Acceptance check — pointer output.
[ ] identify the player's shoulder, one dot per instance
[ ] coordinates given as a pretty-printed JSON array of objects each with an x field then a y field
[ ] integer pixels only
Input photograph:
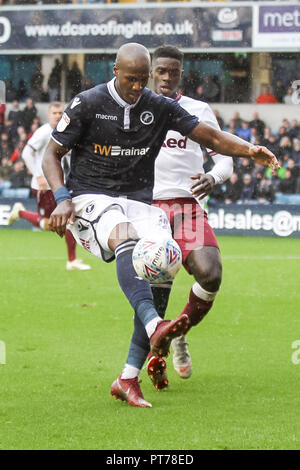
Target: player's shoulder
[
  {"x": 155, "y": 99},
  {"x": 186, "y": 101},
  {"x": 42, "y": 131},
  {"x": 92, "y": 94}
]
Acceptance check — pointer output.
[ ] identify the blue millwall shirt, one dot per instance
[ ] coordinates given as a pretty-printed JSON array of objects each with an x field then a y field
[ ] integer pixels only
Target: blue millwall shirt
[{"x": 114, "y": 144}]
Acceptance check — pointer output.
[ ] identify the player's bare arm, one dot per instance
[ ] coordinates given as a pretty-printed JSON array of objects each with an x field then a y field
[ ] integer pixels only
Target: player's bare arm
[
  {"x": 64, "y": 212},
  {"x": 229, "y": 144}
]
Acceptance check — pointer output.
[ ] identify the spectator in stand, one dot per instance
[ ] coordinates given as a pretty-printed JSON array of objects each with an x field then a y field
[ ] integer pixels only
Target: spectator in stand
[
  {"x": 258, "y": 124},
  {"x": 264, "y": 192},
  {"x": 237, "y": 120},
  {"x": 282, "y": 132},
  {"x": 244, "y": 166},
  {"x": 247, "y": 193},
  {"x": 36, "y": 84},
  {"x": 288, "y": 184},
  {"x": 267, "y": 133},
  {"x": 279, "y": 91},
  {"x": 9, "y": 130},
  {"x": 288, "y": 98},
  {"x": 244, "y": 132},
  {"x": 219, "y": 118},
  {"x": 257, "y": 176},
  {"x": 190, "y": 82},
  {"x": 54, "y": 81},
  {"x": 28, "y": 114},
  {"x": 16, "y": 154},
  {"x": 285, "y": 147},
  {"x": 15, "y": 115},
  {"x": 19, "y": 177},
  {"x": 266, "y": 97},
  {"x": 74, "y": 81},
  {"x": 5, "y": 146},
  {"x": 199, "y": 95},
  {"x": 230, "y": 128},
  {"x": 272, "y": 143},
  {"x": 22, "y": 92},
  {"x": 11, "y": 91},
  {"x": 255, "y": 138},
  {"x": 34, "y": 126},
  {"x": 210, "y": 89},
  {"x": 87, "y": 83},
  {"x": 233, "y": 189},
  {"x": 294, "y": 132},
  {"x": 296, "y": 152},
  {"x": 286, "y": 123},
  {"x": 2, "y": 115},
  {"x": 5, "y": 173},
  {"x": 278, "y": 176},
  {"x": 22, "y": 135},
  {"x": 291, "y": 165}
]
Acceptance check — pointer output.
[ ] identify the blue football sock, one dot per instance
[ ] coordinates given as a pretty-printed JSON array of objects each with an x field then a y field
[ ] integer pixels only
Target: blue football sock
[
  {"x": 137, "y": 291},
  {"x": 134, "y": 288}
]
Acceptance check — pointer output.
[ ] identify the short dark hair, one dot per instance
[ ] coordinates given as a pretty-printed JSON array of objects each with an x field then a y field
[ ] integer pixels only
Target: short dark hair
[{"x": 169, "y": 52}]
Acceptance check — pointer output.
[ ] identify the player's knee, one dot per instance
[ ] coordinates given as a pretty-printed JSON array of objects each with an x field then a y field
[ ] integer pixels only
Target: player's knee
[
  {"x": 113, "y": 228},
  {"x": 209, "y": 277}
]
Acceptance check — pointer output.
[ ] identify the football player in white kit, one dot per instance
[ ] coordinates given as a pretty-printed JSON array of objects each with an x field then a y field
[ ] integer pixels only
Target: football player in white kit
[
  {"x": 32, "y": 156},
  {"x": 184, "y": 207}
]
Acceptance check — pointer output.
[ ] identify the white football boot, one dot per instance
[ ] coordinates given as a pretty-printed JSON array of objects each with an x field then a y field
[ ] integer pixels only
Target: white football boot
[
  {"x": 77, "y": 265},
  {"x": 182, "y": 361},
  {"x": 14, "y": 215}
]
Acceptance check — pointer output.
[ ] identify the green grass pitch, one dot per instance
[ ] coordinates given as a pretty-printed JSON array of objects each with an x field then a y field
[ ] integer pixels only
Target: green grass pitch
[{"x": 66, "y": 336}]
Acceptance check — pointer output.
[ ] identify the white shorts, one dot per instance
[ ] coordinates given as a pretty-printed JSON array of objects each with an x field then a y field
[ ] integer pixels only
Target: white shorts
[{"x": 97, "y": 215}]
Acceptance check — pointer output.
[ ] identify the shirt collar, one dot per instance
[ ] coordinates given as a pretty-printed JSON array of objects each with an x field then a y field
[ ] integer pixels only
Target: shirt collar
[{"x": 115, "y": 95}]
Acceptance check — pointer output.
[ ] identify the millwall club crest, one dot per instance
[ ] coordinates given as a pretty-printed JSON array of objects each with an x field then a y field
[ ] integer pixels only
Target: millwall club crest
[{"x": 147, "y": 118}]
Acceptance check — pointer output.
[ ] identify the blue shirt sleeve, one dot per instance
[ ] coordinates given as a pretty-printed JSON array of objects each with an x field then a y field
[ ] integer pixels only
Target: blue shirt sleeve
[
  {"x": 69, "y": 129},
  {"x": 180, "y": 120}
]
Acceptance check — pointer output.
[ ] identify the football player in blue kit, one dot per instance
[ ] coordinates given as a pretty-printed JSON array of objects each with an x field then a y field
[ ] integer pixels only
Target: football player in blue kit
[{"x": 115, "y": 131}]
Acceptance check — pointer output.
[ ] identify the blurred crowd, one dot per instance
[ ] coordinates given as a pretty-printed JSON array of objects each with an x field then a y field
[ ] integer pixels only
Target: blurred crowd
[
  {"x": 250, "y": 183},
  {"x": 51, "y": 90},
  {"x": 206, "y": 89}
]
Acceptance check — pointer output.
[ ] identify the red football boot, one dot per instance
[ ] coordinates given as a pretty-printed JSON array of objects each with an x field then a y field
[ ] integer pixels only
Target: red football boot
[
  {"x": 165, "y": 331},
  {"x": 129, "y": 390},
  {"x": 156, "y": 369}
]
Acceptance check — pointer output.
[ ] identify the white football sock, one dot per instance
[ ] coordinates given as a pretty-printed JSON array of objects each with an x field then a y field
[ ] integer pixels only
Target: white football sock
[
  {"x": 151, "y": 326},
  {"x": 129, "y": 372},
  {"x": 203, "y": 294}
]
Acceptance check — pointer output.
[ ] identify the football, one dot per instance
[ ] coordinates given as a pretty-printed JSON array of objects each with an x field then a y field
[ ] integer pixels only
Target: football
[{"x": 157, "y": 259}]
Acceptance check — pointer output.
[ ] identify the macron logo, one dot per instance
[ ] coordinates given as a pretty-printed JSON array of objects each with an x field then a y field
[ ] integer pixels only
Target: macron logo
[{"x": 107, "y": 117}]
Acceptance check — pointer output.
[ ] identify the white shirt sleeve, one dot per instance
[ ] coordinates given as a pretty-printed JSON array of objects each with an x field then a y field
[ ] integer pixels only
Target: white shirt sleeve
[
  {"x": 223, "y": 167},
  {"x": 29, "y": 158}
]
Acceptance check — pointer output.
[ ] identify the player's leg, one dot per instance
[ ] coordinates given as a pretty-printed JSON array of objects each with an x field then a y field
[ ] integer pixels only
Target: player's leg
[
  {"x": 73, "y": 263},
  {"x": 205, "y": 264},
  {"x": 46, "y": 205},
  {"x": 19, "y": 212},
  {"x": 201, "y": 258},
  {"x": 121, "y": 241}
]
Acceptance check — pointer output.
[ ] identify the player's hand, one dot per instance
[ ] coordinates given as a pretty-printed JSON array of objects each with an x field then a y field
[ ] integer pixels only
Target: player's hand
[
  {"x": 42, "y": 182},
  {"x": 203, "y": 186},
  {"x": 264, "y": 156},
  {"x": 62, "y": 215}
]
